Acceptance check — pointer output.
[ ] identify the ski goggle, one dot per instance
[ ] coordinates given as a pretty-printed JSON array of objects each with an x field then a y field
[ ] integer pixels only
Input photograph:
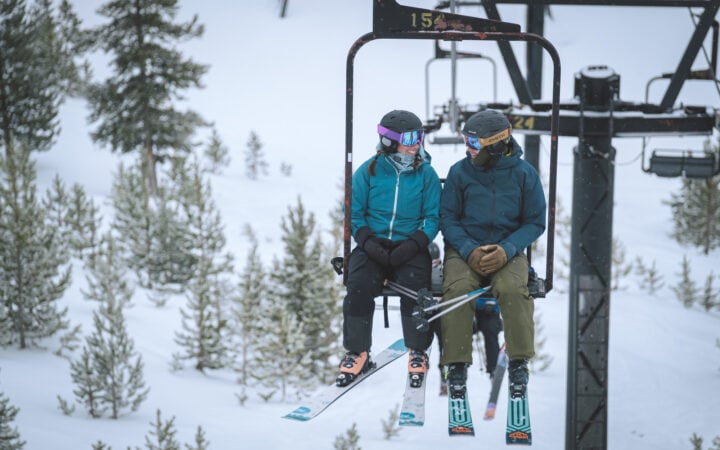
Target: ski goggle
[
  {"x": 407, "y": 138},
  {"x": 478, "y": 143}
]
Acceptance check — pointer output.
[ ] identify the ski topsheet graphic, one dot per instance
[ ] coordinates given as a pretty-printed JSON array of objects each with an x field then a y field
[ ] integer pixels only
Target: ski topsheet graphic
[{"x": 328, "y": 395}]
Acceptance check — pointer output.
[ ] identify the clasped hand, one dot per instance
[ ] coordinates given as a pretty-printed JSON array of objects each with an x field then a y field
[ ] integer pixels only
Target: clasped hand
[{"x": 487, "y": 259}]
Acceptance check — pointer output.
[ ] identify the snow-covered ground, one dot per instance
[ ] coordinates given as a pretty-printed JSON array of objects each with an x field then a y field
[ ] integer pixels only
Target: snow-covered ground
[{"x": 285, "y": 80}]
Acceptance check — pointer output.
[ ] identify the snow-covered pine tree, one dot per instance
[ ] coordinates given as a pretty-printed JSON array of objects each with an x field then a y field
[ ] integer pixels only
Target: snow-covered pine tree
[
  {"x": 650, "y": 279},
  {"x": 201, "y": 442},
  {"x": 686, "y": 290},
  {"x": 255, "y": 163},
  {"x": 84, "y": 220},
  {"x": 305, "y": 282},
  {"x": 156, "y": 241},
  {"x": 217, "y": 153},
  {"x": 134, "y": 108},
  {"x": 205, "y": 320},
  {"x": 107, "y": 277},
  {"x": 281, "y": 358},
  {"x": 170, "y": 262},
  {"x": 9, "y": 435},
  {"x": 162, "y": 434},
  {"x": 349, "y": 440},
  {"x": 88, "y": 387},
  {"x": 34, "y": 269},
  {"x": 696, "y": 213},
  {"x": 253, "y": 288},
  {"x": 109, "y": 367},
  {"x": 56, "y": 204},
  {"x": 39, "y": 42},
  {"x": 710, "y": 295},
  {"x": 133, "y": 220},
  {"x": 621, "y": 267}
]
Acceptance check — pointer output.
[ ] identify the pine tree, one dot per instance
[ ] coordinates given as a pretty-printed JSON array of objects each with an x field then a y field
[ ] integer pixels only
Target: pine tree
[
  {"x": 304, "y": 281},
  {"x": 389, "y": 426},
  {"x": 107, "y": 278},
  {"x": 84, "y": 221},
  {"x": 686, "y": 290},
  {"x": 162, "y": 434},
  {"x": 88, "y": 387},
  {"x": 246, "y": 310},
  {"x": 348, "y": 441},
  {"x": 133, "y": 108},
  {"x": 255, "y": 163},
  {"x": 650, "y": 278},
  {"x": 620, "y": 266},
  {"x": 201, "y": 442},
  {"x": 133, "y": 220},
  {"x": 109, "y": 374},
  {"x": 38, "y": 47},
  {"x": 57, "y": 205},
  {"x": 710, "y": 295},
  {"x": 34, "y": 269},
  {"x": 280, "y": 354},
  {"x": 157, "y": 244},
  {"x": 217, "y": 153},
  {"x": 205, "y": 323},
  {"x": 696, "y": 213},
  {"x": 9, "y": 435}
]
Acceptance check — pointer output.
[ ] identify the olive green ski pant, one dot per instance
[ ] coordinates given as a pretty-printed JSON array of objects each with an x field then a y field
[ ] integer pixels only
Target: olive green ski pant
[{"x": 509, "y": 287}]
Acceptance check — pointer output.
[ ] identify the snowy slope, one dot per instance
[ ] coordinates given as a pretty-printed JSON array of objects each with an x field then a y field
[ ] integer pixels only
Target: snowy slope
[{"x": 285, "y": 80}]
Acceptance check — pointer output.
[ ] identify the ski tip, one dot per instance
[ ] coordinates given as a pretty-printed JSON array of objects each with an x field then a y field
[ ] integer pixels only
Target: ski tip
[
  {"x": 398, "y": 345},
  {"x": 518, "y": 438},
  {"x": 300, "y": 413},
  {"x": 461, "y": 431},
  {"x": 408, "y": 419},
  {"x": 292, "y": 416}
]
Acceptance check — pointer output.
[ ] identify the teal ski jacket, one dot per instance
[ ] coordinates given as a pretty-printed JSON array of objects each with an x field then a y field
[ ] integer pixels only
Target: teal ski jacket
[
  {"x": 396, "y": 203},
  {"x": 503, "y": 205}
]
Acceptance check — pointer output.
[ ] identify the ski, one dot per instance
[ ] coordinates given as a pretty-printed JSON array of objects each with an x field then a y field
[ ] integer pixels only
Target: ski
[
  {"x": 459, "y": 418},
  {"x": 412, "y": 412},
  {"x": 326, "y": 396},
  {"x": 518, "y": 421},
  {"x": 497, "y": 380}
]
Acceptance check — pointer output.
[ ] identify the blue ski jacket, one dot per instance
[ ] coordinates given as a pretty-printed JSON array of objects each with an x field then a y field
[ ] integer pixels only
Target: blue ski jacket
[
  {"x": 503, "y": 205},
  {"x": 396, "y": 203}
]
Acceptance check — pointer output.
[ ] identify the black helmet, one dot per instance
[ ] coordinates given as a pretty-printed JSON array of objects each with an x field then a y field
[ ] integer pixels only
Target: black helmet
[
  {"x": 398, "y": 121},
  {"x": 486, "y": 123}
]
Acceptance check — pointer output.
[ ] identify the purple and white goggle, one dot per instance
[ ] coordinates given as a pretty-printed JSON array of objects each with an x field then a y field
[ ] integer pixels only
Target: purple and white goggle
[{"x": 407, "y": 138}]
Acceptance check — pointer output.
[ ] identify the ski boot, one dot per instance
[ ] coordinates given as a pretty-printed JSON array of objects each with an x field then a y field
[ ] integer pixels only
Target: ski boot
[
  {"x": 518, "y": 376},
  {"x": 417, "y": 367},
  {"x": 352, "y": 365},
  {"x": 457, "y": 380}
]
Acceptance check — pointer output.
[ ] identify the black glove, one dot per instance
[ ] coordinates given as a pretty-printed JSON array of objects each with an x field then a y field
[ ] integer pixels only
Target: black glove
[
  {"x": 362, "y": 235},
  {"x": 376, "y": 251},
  {"x": 408, "y": 248}
]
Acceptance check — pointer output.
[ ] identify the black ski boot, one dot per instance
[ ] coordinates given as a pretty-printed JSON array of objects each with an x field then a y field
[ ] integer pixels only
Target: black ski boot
[
  {"x": 352, "y": 365},
  {"x": 457, "y": 380},
  {"x": 518, "y": 376}
]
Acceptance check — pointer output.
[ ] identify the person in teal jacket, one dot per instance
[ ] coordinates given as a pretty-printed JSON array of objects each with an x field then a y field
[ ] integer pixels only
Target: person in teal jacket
[
  {"x": 395, "y": 202},
  {"x": 492, "y": 208}
]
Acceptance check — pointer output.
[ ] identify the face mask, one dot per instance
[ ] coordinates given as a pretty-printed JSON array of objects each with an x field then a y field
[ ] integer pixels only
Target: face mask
[{"x": 402, "y": 160}]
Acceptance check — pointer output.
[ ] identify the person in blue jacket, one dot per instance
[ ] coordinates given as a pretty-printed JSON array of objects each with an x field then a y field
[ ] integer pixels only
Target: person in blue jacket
[
  {"x": 395, "y": 202},
  {"x": 492, "y": 208}
]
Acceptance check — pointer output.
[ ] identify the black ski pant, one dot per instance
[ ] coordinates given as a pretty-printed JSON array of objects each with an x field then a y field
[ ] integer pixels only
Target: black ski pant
[{"x": 365, "y": 282}]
